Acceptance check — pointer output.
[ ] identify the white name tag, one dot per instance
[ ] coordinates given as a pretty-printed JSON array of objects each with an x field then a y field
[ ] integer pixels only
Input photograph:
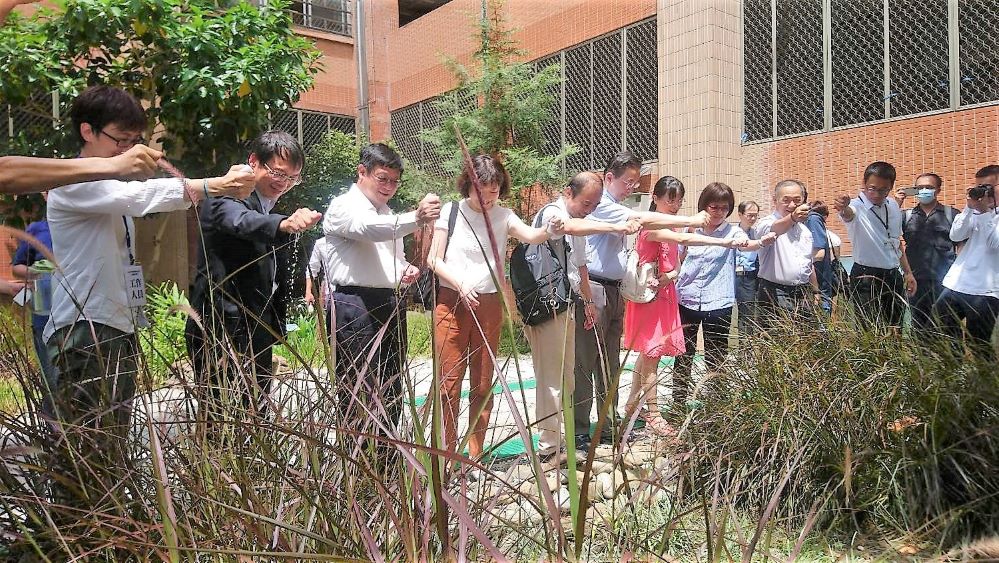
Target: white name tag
[{"x": 135, "y": 287}]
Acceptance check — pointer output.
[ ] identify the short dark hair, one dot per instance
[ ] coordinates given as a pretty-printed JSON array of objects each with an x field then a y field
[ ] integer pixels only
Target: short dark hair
[
  {"x": 581, "y": 180},
  {"x": 277, "y": 143},
  {"x": 744, "y": 205},
  {"x": 936, "y": 178},
  {"x": 881, "y": 170},
  {"x": 820, "y": 208},
  {"x": 100, "y": 106},
  {"x": 669, "y": 186},
  {"x": 380, "y": 155},
  {"x": 489, "y": 171},
  {"x": 716, "y": 192},
  {"x": 986, "y": 171},
  {"x": 621, "y": 162}
]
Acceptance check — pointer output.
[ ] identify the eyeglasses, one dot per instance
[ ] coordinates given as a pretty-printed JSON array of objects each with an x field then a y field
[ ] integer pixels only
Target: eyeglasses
[
  {"x": 281, "y": 176},
  {"x": 628, "y": 183},
  {"x": 386, "y": 181},
  {"x": 124, "y": 143},
  {"x": 717, "y": 208},
  {"x": 879, "y": 191}
]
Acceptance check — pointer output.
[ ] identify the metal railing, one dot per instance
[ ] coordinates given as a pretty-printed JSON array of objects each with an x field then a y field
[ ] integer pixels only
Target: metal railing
[{"x": 330, "y": 16}]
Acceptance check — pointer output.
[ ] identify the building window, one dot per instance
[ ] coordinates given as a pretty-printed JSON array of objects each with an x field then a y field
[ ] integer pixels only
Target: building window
[
  {"x": 410, "y": 10},
  {"x": 979, "y": 52},
  {"x": 799, "y": 66}
]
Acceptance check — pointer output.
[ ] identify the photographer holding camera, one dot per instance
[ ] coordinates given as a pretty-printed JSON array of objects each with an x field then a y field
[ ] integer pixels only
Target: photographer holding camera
[{"x": 971, "y": 286}]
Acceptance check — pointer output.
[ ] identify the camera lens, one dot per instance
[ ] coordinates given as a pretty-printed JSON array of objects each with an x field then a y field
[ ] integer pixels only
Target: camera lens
[{"x": 980, "y": 191}]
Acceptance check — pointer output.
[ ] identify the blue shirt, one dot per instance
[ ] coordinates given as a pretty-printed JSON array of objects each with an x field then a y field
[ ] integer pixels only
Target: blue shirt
[
  {"x": 707, "y": 275},
  {"x": 605, "y": 253},
  {"x": 26, "y": 255},
  {"x": 746, "y": 260}
]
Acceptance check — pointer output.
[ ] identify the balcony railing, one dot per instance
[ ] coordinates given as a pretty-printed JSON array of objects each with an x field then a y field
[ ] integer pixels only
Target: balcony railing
[{"x": 331, "y": 16}]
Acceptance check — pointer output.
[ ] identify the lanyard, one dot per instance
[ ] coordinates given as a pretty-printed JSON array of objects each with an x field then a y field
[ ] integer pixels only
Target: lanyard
[
  {"x": 884, "y": 222},
  {"x": 128, "y": 242}
]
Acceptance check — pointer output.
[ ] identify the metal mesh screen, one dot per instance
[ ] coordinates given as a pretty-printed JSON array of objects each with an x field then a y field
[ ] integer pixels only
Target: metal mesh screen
[
  {"x": 857, "y": 61},
  {"x": 642, "y": 101},
  {"x": 343, "y": 123},
  {"x": 432, "y": 117},
  {"x": 405, "y": 128},
  {"x": 552, "y": 130},
  {"x": 918, "y": 51},
  {"x": 32, "y": 125},
  {"x": 606, "y": 80},
  {"x": 286, "y": 120},
  {"x": 758, "y": 64},
  {"x": 799, "y": 66},
  {"x": 979, "y": 51},
  {"x": 578, "y": 108},
  {"x": 314, "y": 126}
]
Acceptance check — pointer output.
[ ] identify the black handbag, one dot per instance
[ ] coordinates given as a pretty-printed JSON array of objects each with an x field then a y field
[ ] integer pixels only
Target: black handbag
[
  {"x": 539, "y": 279},
  {"x": 426, "y": 286}
]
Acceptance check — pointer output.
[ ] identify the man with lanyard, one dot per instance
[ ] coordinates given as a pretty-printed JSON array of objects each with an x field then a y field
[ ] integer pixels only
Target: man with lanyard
[
  {"x": 928, "y": 246},
  {"x": 606, "y": 256},
  {"x": 787, "y": 278},
  {"x": 367, "y": 266},
  {"x": 874, "y": 224},
  {"x": 98, "y": 290}
]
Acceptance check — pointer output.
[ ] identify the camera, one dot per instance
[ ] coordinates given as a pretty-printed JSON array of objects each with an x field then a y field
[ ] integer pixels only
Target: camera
[{"x": 981, "y": 190}]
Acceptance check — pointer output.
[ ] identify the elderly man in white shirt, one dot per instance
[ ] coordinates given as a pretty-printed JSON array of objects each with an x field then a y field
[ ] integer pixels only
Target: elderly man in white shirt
[
  {"x": 367, "y": 267},
  {"x": 98, "y": 289},
  {"x": 874, "y": 225},
  {"x": 971, "y": 286},
  {"x": 787, "y": 277}
]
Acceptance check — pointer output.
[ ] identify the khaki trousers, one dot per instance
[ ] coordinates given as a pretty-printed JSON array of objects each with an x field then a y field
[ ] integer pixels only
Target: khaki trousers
[{"x": 553, "y": 349}]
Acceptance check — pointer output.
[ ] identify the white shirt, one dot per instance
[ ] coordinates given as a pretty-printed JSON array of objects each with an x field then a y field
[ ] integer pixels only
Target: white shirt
[
  {"x": 976, "y": 270},
  {"x": 577, "y": 244},
  {"x": 788, "y": 261},
  {"x": 319, "y": 264},
  {"x": 469, "y": 256},
  {"x": 876, "y": 231},
  {"x": 88, "y": 223},
  {"x": 365, "y": 243}
]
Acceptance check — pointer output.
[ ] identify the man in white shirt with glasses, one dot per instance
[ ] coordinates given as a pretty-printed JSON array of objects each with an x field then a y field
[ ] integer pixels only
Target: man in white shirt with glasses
[{"x": 874, "y": 224}]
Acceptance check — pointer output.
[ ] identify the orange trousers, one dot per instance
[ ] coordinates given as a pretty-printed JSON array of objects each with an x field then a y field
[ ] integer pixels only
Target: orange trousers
[{"x": 467, "y": 339}]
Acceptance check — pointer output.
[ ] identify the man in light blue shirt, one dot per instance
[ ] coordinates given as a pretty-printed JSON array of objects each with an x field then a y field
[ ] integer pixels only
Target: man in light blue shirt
[{"x": 606, "y": 255}]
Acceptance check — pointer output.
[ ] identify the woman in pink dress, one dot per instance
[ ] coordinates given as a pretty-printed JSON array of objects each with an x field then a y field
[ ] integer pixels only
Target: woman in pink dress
[{"x": 653, "y": 329}]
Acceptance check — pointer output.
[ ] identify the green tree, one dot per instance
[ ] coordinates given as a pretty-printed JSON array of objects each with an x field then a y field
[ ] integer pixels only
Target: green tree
[
  {"x": 208, "y": 72},
  {"x": 501, "y": 106}
]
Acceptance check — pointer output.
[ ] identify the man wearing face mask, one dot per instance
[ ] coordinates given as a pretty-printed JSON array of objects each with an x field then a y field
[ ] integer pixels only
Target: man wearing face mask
[{"x": 928, "y": 245}]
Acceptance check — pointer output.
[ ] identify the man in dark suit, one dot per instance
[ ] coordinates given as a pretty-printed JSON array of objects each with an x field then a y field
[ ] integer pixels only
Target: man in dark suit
[{"x": 236, "y": 290}]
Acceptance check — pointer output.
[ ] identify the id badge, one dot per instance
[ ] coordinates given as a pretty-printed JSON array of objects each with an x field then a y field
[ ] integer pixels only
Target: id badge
[{"x": 135, "y": 289}]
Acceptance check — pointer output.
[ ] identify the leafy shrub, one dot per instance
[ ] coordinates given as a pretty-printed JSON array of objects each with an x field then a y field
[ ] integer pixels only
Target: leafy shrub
[{"x": 162, "y": 341}]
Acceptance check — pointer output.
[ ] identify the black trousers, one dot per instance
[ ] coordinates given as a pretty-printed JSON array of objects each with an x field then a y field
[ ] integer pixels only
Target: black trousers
[
  {"x": 979, "y": 313},
  {"x": 878, "y": 295},
  {"x": 232, "y": 366},
  {"x": 369, "y": 338},
  {"x": 921, "y": 303},
  {"x": 716, "y": 325},
  {"x": 781, "y": 303}
]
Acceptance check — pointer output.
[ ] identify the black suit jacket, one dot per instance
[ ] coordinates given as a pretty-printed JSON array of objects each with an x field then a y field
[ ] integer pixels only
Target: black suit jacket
[{"x": 237, "y": 269}]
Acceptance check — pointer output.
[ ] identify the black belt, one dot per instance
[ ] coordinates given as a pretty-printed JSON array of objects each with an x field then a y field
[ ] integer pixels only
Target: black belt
[
  {"x": 803, "y": 288},
  {"x": 746, "y": 274},
  {"x": 362, "y": 290},
  {"x": 605, "y": 281},
  {"x": 872, "y": 271}
]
